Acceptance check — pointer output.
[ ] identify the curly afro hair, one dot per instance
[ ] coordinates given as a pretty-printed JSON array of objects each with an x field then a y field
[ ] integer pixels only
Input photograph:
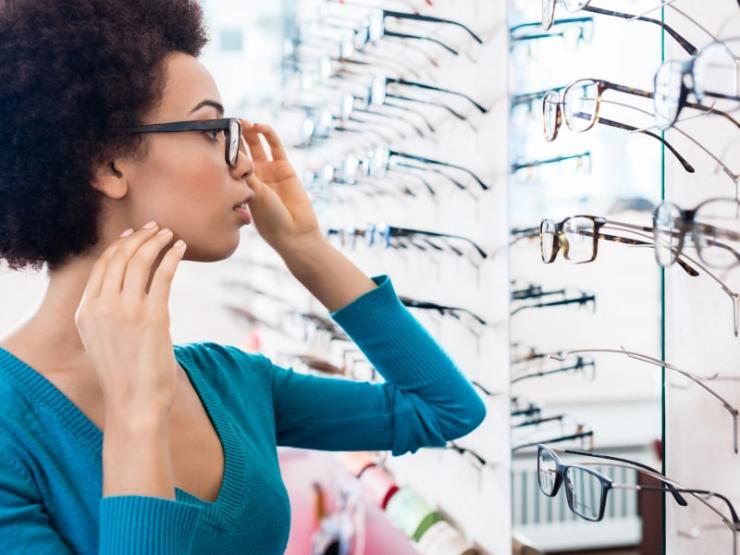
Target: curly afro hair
[{"x": 71, "y": 72}]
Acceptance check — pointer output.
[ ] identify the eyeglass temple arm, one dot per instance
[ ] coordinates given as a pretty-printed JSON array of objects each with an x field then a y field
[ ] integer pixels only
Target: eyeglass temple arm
[
  {"x": 400, "y": 231},
  {"x": 436, "y": 171},
  {"x": 625, "y": 89},
  {"x": 439, "y": 163},
  {"x": 686, "y": 45},
  {"x": 413, "y": 126},
  {"x": 522, "y": 165},
  {"x": 538, "y": 421},
  {"x": 536, "y": 293},
  {"x": 651, "y": 360},
  {"x": 526, "y": 98},
  {"x": 452, "y": 112},
  {"x": 697, "y": 493},
  {"x": 711, "y": 110},
  {"x": 417, "y": 113},
  {"x": 679, "y": 498},
  {"x": 735, "y": 297},
  {"x": 562, "y": 21},
  {"x": 527, "y": 412},
  {"x": 719, "y": 232},
  {"x": 615, "y": 238},
  {"x": 642, "y": 230},
  {"x": 578, "y": 435},
  {"x": 688, "y": 167},
  {"x": 436, "y": 41},
  {"x": 432, "y": 19},
  {"x": 428, "y": 87},
  {"x": 543, "y": 373}
]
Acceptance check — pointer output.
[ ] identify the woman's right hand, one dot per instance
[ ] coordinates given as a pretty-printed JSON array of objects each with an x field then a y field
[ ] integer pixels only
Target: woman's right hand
[{"x": 125, "y": 328}]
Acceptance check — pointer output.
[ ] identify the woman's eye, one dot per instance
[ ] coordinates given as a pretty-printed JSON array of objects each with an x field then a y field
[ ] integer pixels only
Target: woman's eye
[{"x": 213, "y": 134}]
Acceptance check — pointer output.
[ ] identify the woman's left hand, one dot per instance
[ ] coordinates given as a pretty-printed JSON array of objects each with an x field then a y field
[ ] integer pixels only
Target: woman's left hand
[{"x": 281, "y": 210}]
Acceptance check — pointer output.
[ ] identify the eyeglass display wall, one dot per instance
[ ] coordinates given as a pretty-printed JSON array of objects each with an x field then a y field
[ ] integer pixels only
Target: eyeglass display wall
[
  {"x": 509, "y": 164},
  {"x": 646, "y": 376},
  {"x": 580, "y": 287},
  {"x": 701, "y": 313},
  {"x": 398, "y": 124}
]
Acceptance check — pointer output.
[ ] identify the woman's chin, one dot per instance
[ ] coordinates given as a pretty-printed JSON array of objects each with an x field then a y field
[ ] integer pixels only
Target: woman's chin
[{"x": 211, "y": 252}]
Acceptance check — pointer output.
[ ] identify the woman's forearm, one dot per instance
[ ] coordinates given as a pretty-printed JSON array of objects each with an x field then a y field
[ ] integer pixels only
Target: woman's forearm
[
  {"x": 136, "y": 456},
  {"x": 329, "y": 275}
]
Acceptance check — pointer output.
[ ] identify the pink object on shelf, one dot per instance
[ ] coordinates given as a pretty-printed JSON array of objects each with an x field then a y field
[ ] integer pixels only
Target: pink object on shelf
[
  {"x": 300, "y": 470},
  {"x": 377, "y": 486}
]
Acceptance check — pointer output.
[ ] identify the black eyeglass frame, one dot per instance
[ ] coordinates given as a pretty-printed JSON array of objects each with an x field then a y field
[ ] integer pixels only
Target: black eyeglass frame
[{"x": 229, "y": 126}]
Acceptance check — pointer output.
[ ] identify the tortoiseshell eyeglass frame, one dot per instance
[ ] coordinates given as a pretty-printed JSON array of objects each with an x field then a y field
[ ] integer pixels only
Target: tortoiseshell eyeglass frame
[{"x": 560, "y": 243}]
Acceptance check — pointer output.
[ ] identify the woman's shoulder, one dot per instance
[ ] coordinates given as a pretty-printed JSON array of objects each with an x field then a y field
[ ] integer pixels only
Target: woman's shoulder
[{"x": 223, "y": 361}]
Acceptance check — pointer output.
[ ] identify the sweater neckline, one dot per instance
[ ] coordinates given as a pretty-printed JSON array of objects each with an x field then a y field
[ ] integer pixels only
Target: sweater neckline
[{"x": 220, "y": 512}]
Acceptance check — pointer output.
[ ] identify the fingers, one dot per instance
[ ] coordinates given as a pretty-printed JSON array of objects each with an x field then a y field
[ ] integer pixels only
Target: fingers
[
  {"x": 251, "y": 136},
  {"x": 276, "y": 145},
  {"x": 140, "y": 264},
  {"x": 159, "y": 291},
  {"x": 110, "y": 268}
]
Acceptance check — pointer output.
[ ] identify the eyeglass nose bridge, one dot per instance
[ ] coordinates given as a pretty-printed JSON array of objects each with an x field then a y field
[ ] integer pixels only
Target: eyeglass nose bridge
[{"x": 561, "y": 244}]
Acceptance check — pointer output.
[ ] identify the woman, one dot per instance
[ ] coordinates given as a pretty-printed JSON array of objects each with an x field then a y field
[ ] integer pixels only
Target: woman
[{"x": 112, "y": 439}]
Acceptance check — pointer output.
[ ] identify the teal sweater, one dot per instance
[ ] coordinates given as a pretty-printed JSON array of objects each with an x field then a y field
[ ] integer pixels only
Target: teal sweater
[{"x": 51, "y": 453}]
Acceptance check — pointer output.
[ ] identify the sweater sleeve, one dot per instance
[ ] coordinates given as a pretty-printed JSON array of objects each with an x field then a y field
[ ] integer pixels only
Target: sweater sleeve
[
  {"x": 424, "y": 401},
  {"x": 24, "y": 523},
  {"x": 129, "y": 524},
  {"x": 144, "y": 525}
]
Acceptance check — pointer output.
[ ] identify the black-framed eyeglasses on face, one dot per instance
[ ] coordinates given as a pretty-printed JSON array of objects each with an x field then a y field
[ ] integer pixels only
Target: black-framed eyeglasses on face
[{"x": 231, "y": 127}]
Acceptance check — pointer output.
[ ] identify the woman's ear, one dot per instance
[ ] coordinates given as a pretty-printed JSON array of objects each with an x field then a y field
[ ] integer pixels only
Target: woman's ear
[{"x": 110, "y": 181}]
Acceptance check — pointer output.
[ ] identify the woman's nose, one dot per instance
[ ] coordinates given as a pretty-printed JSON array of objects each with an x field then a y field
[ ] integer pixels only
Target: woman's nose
[{"x": 244, "y": 165}]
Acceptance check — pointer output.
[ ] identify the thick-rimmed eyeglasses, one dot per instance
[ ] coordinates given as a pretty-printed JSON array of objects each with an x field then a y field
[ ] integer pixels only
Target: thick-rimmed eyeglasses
[
  {"x": 578, "y": 239},
  {"x": 548, "y": 17},
  {"x": 578, "y": 106},
  {"x": 373, "y": 28},
  {"x": 674, "y": 81},
  {"x": 712, "y": 219},
  {"x": 586, "y": 489},
  {"x": 231, "y": 127}
]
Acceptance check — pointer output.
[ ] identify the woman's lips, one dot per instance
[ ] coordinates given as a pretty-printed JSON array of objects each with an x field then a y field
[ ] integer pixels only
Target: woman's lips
[{"x": 244, "y": 213}]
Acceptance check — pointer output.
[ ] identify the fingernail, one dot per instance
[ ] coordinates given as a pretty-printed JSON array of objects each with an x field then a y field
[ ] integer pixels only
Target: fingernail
[
  {"x": 179, "y": 244},
  {"x": 150, "y": 225},
  {"x": 126, "y": 233}
]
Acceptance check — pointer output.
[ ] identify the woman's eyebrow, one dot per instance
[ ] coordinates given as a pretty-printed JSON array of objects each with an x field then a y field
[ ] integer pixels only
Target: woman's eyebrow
[{"x": 212, "y": 103}]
